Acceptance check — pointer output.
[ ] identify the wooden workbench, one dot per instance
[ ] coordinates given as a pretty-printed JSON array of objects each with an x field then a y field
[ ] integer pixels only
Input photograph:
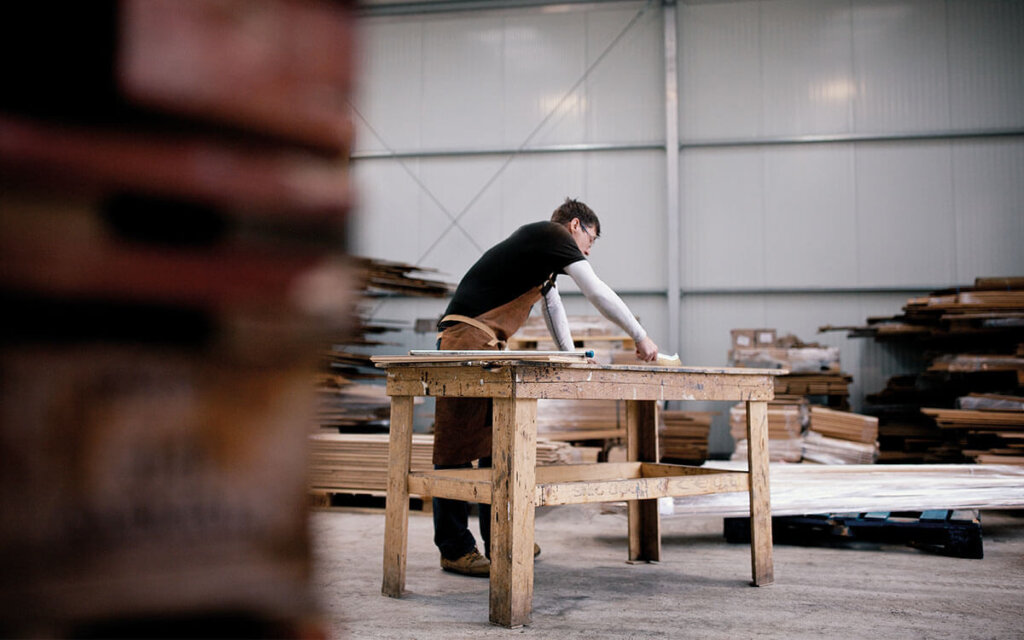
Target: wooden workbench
[{"x": 515, "y": 487}]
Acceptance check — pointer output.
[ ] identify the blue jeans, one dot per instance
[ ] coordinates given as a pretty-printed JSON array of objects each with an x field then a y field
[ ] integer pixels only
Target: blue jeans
[{"x": 451, "y": 522}]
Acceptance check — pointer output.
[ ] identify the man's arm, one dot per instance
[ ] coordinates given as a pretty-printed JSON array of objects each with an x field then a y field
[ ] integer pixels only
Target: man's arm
[
  {"x": 612, "y": 307},
  {"x": 556, "y": 320}
]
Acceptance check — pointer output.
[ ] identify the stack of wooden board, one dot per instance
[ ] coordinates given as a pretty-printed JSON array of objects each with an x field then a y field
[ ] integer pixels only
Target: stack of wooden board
[
  {"x": 353, "y": 463},
  {"x": 825, "y": 450},
  {"x": 970, "y": 338},
  {"x": 556, "y": 452},
  {"x": 835, "y": 387},
  {"x": 591, "y": 333},
  {"x": 358, "y": 463},
  {"x": 840, "y": 437},
  {"x": 786, "y": 421},
  {"x": 173, "y": 225},
  {"x": 578, "y": 420},
  {"x": 683, "y": 436},
  {"x": 990, "y": 307},
  {"x": 844, "y": 425},
  {"x": 376, "y": 277},
  {"x": 352, "y": 407},
  {"x": 349, "y": 387},
  {"x": 990, "y": 427}
]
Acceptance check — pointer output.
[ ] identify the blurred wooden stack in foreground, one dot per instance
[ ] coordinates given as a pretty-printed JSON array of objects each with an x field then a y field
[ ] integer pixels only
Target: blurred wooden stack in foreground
[{"x": 172, "y": 232}]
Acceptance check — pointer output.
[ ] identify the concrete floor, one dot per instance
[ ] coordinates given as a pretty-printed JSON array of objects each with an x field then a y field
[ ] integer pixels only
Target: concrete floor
[{"x": 584, "y": 589}]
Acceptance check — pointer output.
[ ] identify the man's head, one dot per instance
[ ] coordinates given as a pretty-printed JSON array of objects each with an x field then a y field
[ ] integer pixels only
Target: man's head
[{"x": 581, "y": 222}]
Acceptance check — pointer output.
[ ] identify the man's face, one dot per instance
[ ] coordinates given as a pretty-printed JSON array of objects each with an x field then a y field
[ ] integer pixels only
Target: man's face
[{"x": 583, "y": 235}]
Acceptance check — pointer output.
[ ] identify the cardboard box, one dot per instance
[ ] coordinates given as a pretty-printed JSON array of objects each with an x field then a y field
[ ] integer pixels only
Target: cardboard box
[
  {"x": 751, "y": 338},
  {"x": 743, "y": 338}
]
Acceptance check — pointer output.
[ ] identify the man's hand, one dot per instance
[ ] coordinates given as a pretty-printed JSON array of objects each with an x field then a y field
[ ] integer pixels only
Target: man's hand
[{"x": 646, "y": 350}]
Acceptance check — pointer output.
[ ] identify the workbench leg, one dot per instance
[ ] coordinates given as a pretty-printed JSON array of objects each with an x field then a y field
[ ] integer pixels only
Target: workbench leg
[
  {"x": 760, "y": 499},
  {"x": 396, "y": 515},
  {"x": 642, "y": 446},
  {"x": 514, "y": 454}
]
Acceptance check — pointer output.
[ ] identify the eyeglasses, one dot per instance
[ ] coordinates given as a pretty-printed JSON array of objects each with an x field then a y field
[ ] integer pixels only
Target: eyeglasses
[{"x": 592, "y": 237}]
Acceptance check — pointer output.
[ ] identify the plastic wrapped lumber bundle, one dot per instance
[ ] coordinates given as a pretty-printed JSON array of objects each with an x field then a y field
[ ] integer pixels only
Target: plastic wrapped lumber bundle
[{"x": 826, "y": 450}]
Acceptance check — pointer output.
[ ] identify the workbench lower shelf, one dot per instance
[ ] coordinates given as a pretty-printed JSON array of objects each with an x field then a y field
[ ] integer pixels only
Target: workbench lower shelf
[{"x": 583, "y": 483}]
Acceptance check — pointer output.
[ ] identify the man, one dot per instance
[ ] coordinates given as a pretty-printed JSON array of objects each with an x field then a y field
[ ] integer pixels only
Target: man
[{"x": 491, "y": 302}]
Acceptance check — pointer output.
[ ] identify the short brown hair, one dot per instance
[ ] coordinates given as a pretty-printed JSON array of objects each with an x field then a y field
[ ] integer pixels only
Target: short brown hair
[{"x": 575, "y": 209}]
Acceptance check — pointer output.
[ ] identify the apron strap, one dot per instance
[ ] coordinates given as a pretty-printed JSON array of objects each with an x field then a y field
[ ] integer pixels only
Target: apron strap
[{"x": 473, "y": 322}]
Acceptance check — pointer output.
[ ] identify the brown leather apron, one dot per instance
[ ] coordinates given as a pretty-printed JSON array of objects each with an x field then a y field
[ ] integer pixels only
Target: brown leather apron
[{"x": 462, "y": 426}]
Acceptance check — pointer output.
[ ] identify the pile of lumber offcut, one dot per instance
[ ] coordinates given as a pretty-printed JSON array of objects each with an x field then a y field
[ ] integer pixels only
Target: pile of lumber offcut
[
  {"x": 683, "y": 436},
  {"x": 990, "y": 427},
  {"x": 576, "y": 420},
  {"x": 786, "y": 421},
  {"x": 970, "y": 340},
  {"x": 840, "y": 437}
]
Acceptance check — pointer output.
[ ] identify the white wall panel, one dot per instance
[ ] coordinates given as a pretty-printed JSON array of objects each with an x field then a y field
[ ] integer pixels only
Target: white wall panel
[
  {"x": 390, "y": 85},
  {"x": 626, "y": 191},
  {"x": 986, "y": 50},
  {"x": 989, "y": 200},
  {"x": 387, "y": 222},
  {"x": 722, "y": 209},
  {"x": 544, "y": 57},
  {"x": 720, "y": 74},
  {"x": 461, "y": 105},
  {"x": 906, "y": 227},
  {"x": 807, "y": 69},
  {"x": 902, "y": 80},
  {"x": 532, "y": 187},
  {"x": 625, "y": 92},
  {"x": 810, "y": 225},
  {"x": 459, "y": 184}
]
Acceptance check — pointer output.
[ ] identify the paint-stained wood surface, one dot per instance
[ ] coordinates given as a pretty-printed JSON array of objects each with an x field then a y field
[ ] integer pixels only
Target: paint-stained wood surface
[
  {"x": 526, "y": 379},
  {"x": 512, "y": 513},
  {"x": 396, "y": 516},
  {"x": 642, "y": 444},
  {"x": 760, "y": 500},
  {"x": 585, "y": 483}
]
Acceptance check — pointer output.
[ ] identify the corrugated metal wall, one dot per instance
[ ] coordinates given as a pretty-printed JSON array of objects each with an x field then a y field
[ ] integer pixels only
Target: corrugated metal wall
[{"x": 832, "y": 151}]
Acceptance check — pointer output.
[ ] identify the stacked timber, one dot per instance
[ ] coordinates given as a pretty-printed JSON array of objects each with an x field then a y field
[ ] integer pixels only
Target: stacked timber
[
  {"x": 990, "y": 427},
  {"x": 969, "y": 342},
  {"x": 377, "y": 278},
  {"x": 350, "y": 389},
  {"x": 590, "y": 333},
  {"x": 786, "y": 421},
  {"x": 683, "y": 436},
  {"x": 173, "y": 222},
  {"x": 556, "y": 452},
  {"x": 581, "y": 420},
  {"x": 844, "y": 425},
  {"x": 358, "y": 463},
  {"x": 352, "y": 407},
  {"x": 840, "y": 437},
  {"x": 352, "y": 463}
]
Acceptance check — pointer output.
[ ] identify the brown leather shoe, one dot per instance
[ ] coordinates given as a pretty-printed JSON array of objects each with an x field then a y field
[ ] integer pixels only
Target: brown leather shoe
[
  {"x": 471, "y": 564},
  {"x": 536, "y": 551}
]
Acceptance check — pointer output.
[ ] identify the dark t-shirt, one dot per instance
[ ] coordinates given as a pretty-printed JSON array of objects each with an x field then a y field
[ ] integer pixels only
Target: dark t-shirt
[{"x": 528, "y": 258}]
